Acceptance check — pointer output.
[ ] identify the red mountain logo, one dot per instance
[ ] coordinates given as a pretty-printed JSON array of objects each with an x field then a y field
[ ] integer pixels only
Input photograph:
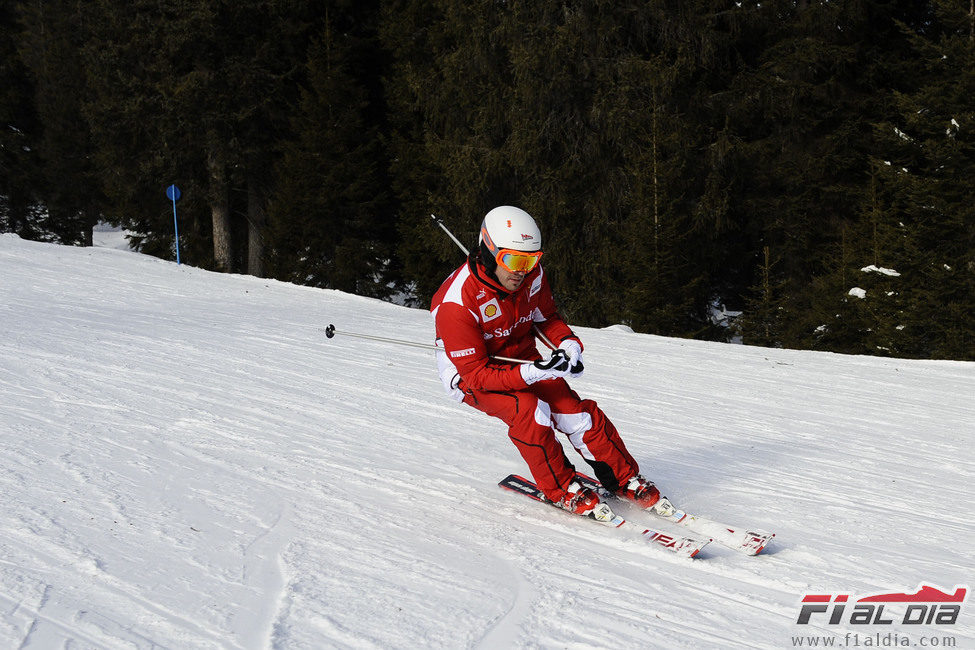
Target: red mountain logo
[{"x": 924, "y": 594}]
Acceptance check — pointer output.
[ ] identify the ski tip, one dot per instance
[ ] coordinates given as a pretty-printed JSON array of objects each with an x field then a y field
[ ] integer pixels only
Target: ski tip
[
  {"x": 700, "y": 547},
  {"x": 758, "y": 542}
]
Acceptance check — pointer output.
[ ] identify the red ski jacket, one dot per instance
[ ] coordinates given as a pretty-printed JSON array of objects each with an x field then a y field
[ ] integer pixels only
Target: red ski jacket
[{"x": 476, "y": 319}]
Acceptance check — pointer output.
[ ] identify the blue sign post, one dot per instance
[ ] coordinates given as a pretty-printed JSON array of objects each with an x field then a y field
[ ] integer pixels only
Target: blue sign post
[{"x": 172, "y": 192}]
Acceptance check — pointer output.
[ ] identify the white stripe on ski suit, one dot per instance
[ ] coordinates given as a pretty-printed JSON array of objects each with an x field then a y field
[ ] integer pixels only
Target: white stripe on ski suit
[{"x": 574, "y": 425}]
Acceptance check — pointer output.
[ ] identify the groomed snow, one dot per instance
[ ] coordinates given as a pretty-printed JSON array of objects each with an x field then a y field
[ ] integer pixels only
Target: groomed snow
[{"x": 187, "y": 462}]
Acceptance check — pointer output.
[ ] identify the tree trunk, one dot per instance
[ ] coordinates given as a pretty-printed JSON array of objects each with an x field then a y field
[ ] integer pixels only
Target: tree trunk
[
  {"x": 256, "y": 223},
  {"x": 220, "y": 210},
  {"x": 92, "y": 217}
]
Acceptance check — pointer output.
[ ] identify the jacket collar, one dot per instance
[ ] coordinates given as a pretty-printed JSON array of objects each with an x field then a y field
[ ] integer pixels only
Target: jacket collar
[{"x": 480, "y": 272}]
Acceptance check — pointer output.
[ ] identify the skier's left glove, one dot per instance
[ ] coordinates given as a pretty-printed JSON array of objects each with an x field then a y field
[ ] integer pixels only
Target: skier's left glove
[{"x": 573, "y": 348}]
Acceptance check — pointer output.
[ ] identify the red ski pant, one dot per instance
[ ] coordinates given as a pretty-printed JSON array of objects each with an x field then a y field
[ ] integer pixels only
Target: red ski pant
[{"x": 533, "y": 415}]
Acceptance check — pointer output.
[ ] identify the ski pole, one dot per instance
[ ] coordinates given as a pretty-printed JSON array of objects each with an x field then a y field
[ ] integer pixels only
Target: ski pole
[
  {"x": 437, "y": 220},
  {"x": 330, "y": 331}
]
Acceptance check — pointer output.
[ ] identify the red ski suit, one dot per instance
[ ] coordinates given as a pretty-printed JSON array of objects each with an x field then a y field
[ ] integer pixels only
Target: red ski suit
[{"x": 476, "y": 319}]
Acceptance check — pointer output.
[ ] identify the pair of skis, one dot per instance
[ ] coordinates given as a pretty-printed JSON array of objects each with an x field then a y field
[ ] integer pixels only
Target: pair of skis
[{"x": 748, "y": 542}]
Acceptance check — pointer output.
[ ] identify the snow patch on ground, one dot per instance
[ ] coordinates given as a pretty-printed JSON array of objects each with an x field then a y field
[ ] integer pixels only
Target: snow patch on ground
[
  {"x": 187, "y": 462},
  {"x": 881, "y": 270}
]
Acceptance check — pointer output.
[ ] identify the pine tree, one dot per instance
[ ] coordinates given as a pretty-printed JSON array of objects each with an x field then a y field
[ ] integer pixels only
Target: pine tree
[
  {"x": 447, "y": 95},
  {"x": 686, "y": 167},
  {"x": 901, "y": 288},
  {"x": 20, "y": 167},
  {"x": 330, "y": 219},
  {"x": 51, "y": 43},
  {"x": 140, "y": 60},
  {"x": 762, "y": 321},
  {"x": 930, "y": 149},
  {"x": 802, "y": 115},
  {"x": 197, "y": 93},
  {"x": 545, "y": 105}
]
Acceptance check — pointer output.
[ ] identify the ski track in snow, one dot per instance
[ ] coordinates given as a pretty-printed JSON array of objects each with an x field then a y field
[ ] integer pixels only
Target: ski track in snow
[{"x": 187, "y": 462}]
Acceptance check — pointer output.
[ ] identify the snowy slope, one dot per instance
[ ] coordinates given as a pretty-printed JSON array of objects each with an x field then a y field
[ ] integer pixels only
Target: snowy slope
[{"x": 187, "y": 462}]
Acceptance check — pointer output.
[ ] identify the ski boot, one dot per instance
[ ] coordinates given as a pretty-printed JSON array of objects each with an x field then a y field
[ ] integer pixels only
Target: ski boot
[
  {"x": 641, "y": 491},
  {"x": 582, "y": 501}
]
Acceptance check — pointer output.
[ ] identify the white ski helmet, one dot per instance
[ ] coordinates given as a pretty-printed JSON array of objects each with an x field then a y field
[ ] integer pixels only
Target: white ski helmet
[
  {"x": 510, "y": 236},
  {"x": 509, "y": 227}
]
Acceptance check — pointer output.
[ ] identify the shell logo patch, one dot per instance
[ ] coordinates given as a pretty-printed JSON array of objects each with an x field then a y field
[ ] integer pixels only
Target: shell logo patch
[{"x": 490, "y": 310}]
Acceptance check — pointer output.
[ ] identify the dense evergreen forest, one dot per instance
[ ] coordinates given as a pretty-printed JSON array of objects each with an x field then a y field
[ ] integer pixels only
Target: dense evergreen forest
[{"x": 808, "y": 164}]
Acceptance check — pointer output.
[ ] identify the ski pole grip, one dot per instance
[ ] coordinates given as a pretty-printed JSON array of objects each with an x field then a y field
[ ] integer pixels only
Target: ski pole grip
[{"x": 558, "y": 358}]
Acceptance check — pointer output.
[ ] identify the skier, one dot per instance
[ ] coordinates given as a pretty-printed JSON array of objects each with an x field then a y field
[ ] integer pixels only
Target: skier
[{"x": 490, "y": 306}]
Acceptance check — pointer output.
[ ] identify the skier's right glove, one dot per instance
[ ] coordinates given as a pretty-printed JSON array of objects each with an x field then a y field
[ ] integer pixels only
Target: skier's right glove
[{"x": 555, "y": 367}]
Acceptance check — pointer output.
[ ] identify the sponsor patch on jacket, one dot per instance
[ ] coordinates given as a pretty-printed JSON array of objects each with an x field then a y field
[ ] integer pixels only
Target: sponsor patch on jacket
[
  {"x": 462, "y": 353},
  {"x": 536, "y": 286},
  {"x": 490, "y": 310}
]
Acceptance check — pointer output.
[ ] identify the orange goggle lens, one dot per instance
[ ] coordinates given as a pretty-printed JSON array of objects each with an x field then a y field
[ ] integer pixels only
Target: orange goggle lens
[{"x": 518, "y": 261}]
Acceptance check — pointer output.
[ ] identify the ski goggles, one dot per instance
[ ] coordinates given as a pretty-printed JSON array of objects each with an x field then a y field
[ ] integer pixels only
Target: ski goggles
[
  {"x": 517, "y": 261},
  {"x": 510, "y": 259}
]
